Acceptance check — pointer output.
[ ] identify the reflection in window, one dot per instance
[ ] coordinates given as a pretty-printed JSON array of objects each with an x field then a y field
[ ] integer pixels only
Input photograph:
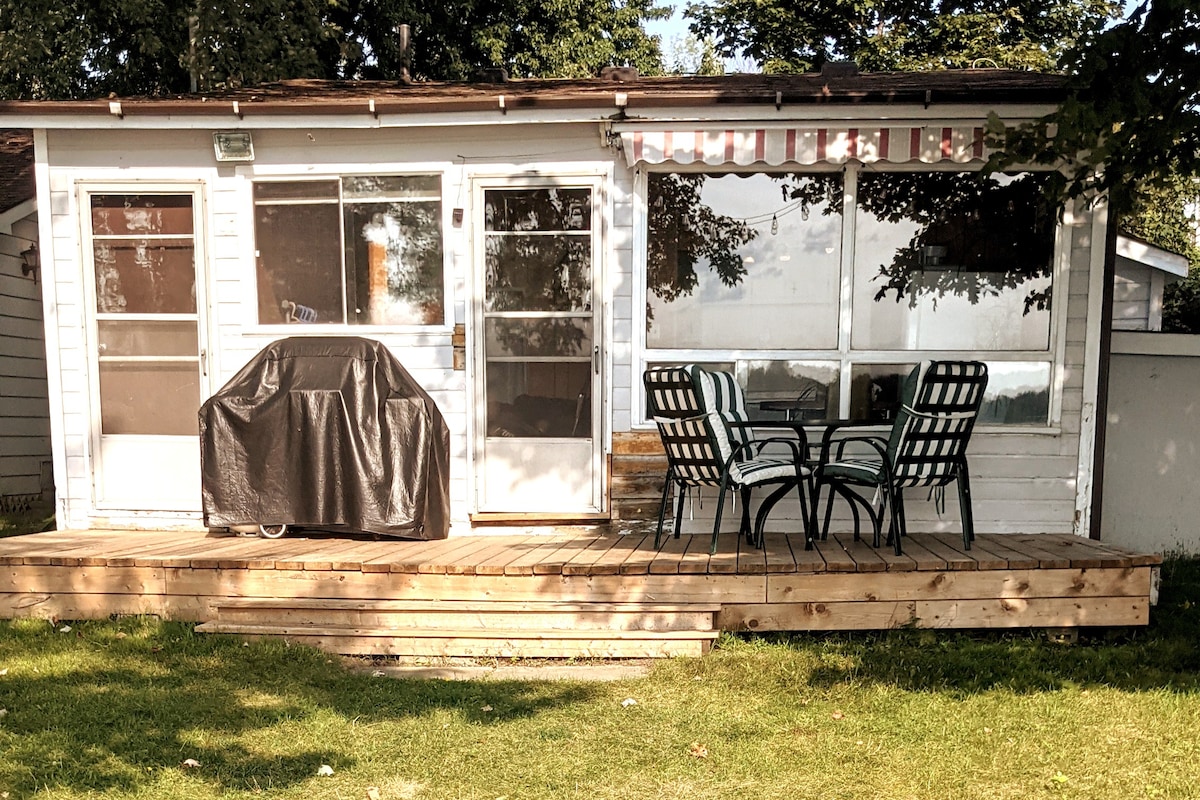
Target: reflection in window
[
  {"x": 1018, "y": 393},
  {"x": 143, "y": 253},
  {"x": 361, "y": 250},
  {"x": 952, "y": 261},
  {"x": 791, "y": 390},
  {"x": 743, "y": 261}
]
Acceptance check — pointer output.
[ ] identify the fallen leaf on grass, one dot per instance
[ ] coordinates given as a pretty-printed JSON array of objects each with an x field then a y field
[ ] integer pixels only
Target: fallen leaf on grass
[
  {"x": 325, "y": 770},
  {"x": 378, "y": 674},
  {"x": 373, "y": 793},
  {"x": 190, "y": 763},
  {"x": 3, "y": 713},
  {"x": 627, "y": 702},
  {"x": 3, "y": 672},
  {"x": 486, "y": 709},
  {"x": 121, "y": 635},
  {"x": 838, "y": 715},
  {"x": 697, "y": 750},
  {"x": 65, "y": 629}
]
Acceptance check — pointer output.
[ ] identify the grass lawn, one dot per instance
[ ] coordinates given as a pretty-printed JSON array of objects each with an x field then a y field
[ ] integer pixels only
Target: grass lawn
[{"x": 116, "y": 709}]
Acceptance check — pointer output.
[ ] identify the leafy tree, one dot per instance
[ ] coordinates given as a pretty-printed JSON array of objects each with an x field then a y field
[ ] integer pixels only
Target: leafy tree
[
  {"x": 89, "y": 48},
  {"x": 785, "y": 36},
  {"x": 1129, "y": 129}
]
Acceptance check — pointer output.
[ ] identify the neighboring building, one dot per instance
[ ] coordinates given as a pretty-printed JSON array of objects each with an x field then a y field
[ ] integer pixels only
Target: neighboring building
[
  {"x": 527, "y": 248},
  {"x": 1142, "y": 273},
  {"x": 25, "y": 474}
]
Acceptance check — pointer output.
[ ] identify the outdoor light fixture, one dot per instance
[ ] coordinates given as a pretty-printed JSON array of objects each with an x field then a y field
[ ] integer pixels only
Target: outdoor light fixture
[
  {"x": 233, "y": 145},
  {"x": 31, "y": 261}
]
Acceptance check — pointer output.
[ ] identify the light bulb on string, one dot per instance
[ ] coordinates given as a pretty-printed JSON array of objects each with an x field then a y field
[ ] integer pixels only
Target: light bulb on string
[{"x": 774, "y": 224}]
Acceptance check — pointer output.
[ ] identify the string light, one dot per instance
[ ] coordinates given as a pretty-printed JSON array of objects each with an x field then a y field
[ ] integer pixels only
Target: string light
[{"x": 774, "y": 224}]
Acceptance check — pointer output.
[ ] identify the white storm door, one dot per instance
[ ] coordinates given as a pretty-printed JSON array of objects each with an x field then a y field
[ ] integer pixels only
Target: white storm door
[
  {"x": 143, "y": 251},
  {"x": 539, "y": 382}
]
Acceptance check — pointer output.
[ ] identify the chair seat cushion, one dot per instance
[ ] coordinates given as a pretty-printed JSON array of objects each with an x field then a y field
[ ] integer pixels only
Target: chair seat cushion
[
  {"x": 863, "y": 471},
  {"x": 762, "y": 470}
]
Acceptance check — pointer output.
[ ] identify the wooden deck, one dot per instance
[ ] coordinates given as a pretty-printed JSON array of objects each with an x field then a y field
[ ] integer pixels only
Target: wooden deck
[{"x": 569, "y": 592}]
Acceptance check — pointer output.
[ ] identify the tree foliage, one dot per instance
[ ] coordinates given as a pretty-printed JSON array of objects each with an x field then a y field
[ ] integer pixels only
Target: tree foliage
[
  {"x": 880, "y": 35},
  {"x": 90, "y": 48}
]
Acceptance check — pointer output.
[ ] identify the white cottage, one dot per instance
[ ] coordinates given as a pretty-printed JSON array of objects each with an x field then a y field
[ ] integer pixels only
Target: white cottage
[{"x": 527, "y": 248}]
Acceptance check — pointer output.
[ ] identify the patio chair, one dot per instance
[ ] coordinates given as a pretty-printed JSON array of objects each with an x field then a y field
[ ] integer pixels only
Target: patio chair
[
  {"x": 926, "y": 448},
  {"x": 701, "y": 420}
]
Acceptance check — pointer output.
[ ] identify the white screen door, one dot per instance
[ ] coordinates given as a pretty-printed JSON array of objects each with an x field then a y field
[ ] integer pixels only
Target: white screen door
[
  {"x": 143, "y": 249},
  {"x": 537, "y": 332}
]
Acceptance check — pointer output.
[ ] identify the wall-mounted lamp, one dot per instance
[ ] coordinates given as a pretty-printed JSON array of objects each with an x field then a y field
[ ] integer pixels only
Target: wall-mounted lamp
[
  {"x": 233, "y": 145},
  {"x": 31, "y": 261}
]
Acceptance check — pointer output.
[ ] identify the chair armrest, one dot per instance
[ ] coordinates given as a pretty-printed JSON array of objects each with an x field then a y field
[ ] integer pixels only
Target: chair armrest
[{"x": 792, "y": 427}]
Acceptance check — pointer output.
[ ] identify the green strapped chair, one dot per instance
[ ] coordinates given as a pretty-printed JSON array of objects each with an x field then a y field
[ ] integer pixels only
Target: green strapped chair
[
  {"x": 926, "y": 448},
  {"x": 701, "y": 420}
]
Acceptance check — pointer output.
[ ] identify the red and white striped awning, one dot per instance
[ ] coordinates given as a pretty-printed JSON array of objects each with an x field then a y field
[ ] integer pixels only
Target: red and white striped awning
[{"x": 811, "y": 145}]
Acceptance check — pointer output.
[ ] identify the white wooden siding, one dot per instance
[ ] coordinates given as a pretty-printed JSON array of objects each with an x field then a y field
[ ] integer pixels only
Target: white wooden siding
[{"x": 24, "y": 410}]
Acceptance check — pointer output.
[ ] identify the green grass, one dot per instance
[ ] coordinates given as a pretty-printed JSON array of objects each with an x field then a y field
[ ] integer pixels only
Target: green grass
[
  {"x": 39, "y": 517},
  {"x": 112, "y": 709}
]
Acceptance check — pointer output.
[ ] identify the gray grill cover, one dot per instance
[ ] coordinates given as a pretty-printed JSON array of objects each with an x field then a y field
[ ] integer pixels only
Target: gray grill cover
[{"x": 328, "y": 432}]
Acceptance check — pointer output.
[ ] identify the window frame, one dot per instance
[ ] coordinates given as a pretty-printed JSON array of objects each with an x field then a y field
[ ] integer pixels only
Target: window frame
[
  {"x": 256, "y": 176},
  {"x": 1054, "y": 354}
]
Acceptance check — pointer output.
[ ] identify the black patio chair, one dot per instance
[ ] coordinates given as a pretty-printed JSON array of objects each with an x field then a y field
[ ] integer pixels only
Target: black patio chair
[
  {"x": 709, "y": 443},
  {"x": 926, "y": 448}
]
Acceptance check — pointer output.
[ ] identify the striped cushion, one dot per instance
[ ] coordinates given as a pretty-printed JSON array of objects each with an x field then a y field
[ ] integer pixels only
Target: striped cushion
[
  {"x": 939, "y": 405},
  {"x": 720, "y": 392},
  {"x": 671, "y": 391},
  {"x": 862, "y": 471}
]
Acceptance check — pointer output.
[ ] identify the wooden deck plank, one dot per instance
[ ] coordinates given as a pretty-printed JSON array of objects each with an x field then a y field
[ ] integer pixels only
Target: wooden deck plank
[
  {"x": 725, "y": 560},
  {"x": 866, "y": 558},
  {"x": 835, "y": 556},
  {"x": 501, "y": 551},
  {"x": 210, "y": 557},
  {"x": 924, "y": 559},
  {"x": 898, "y": 563},
  {"x": 1091, "y": 553},
  {"x": 955, "y": 559},
  {"x": 669, "y": 556},
  {"x": 695, "y": 558},
  {"x": 439, "y": 557},
  {"x": 610, "y": 562},
  {"x": 534, "y": 553},
  {"x": 750, "y": 560},
  {"x": 1136, "y": 559},
  {"x": 351, "y": 559},
  {"x": 584, "y": 562},
  {"x": 638, "y": 561},
  {"x": 1033, "y": 546},
  {"x": 778, "y": 553},
  {"x": 295, "y": 552},
  {"x": 466, "y": 562},
  {"x": 1016, "y": 556},
  {"x": 553, "y": 563},
  {"x": 806, "y": 560},
  {"x": 64, "y": 554},
  {"x": 397, "y": 558},
  {"x": 979, "y": 552}
]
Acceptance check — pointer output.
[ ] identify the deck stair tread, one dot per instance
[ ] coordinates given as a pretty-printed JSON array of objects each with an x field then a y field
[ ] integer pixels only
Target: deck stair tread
[
  {"x": 460, "y": 605},
  {"x": 468, "y": 633}
]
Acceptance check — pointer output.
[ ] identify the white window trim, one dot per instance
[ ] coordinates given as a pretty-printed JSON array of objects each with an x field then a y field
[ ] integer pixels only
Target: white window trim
[{"x": 1054, "y": 354}]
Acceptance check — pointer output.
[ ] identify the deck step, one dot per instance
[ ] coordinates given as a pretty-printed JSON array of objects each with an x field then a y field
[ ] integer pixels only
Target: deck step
[
  {"x": 494, "y": 642},
  {"x": 535, "y": 629}
]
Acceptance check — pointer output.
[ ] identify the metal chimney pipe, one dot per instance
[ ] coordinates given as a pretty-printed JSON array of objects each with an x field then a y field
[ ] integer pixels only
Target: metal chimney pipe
[{"x": 404, "y": 36}]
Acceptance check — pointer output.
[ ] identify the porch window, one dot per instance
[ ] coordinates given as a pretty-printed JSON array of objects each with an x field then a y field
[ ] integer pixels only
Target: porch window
[
  {"x": 359, "y": 250},
  {"x": 749, "y": 270}
]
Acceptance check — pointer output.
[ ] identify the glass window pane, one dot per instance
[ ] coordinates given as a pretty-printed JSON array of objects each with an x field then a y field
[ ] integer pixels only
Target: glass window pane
[
  {"x": 548, "y": 209},
  {"x": 375, "y": 186},
  {"x": 539, "y": 399},
  {"x": 148, "y": 338},
  {"x": 150, "y": 398},
  {"x": 394, "y": 260},
  {"x": 792, "y": 390},
  {"x": 538, "y": 337},
  {"x": 145, "y": 276},
  {"x": 141, "y": 214},
  {"x": 1017, "y": 394},
  {"x": 743, "y": 261},
  {"x": 538, "y": 273},
  {"x": 952, "y": 261},
  {"x": 299, "y": 262},
  {"x": 295, "y": 190}
]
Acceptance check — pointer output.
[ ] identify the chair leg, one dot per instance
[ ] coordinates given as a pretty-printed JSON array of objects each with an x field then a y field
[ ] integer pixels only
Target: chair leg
[
  {"x": 662, "y": 509},
  {"x": 758, "y": 538},
  {"x": 964, "y": 506},
  {"x": 712, "y": 550},
  {"x": 681, "y": 493},
  {"x": 802, "y": 489},
  {"x": 744, "y": 527},
  {"x": 894, "y": 505},
  {"x": 828, "y": 511}
]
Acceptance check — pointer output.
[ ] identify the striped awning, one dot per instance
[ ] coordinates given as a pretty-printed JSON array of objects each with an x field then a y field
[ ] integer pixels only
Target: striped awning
[{"x": 928, "y": 144}]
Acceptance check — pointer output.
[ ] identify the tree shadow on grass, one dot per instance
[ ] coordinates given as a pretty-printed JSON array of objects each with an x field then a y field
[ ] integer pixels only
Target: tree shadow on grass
[
  {"x": 110, "y": 705},
  {"x": 1163, "y": 655}
]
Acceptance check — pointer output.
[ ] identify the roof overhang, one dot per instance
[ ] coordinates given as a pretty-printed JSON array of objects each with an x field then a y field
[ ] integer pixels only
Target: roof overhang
[{"x": 1149, "y": 255}]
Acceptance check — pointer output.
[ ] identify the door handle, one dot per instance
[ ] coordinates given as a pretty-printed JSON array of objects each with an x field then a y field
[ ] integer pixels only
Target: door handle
[{"x": 596, "y": 359}]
